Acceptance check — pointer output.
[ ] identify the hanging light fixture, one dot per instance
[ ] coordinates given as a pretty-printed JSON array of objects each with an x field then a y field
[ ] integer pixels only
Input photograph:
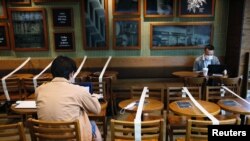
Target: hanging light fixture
[{"x": 193, "y": 5}]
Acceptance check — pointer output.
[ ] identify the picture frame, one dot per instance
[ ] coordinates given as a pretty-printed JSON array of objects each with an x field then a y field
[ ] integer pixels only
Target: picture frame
[
  {"x": 193, "y": 35},
  {"x": 20, "y": 2},
  {"x": 127, "y": 33},
  {"x": 62, "y": 17},
  {"x": 28, "y": 29},
  {"x": 95, "y": 25},
  {"x": 158, "y": 8},
  {"x": 126, "y": 7},
  {"x": 3, "y": 10},
  {"x": 4, "y": 37},
  {"x": 64, "y": 41},
  {"x": 52, "y": 1},
  {"x": 203, "y": 9}
]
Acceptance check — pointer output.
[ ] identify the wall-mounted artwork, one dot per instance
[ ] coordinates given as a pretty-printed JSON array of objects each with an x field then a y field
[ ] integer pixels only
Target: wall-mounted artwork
[
  {"x": 126, "y": 34},
  {"x": 4, "y": 37},
  {"x": 20, "y": 2},
  {"x": 158, "y": 8},
  {"x": 126, "y": 7},
  {"x": 64, "y": 41},
  {"x": 52, "y": 1},
  {"x": 181, "y": 35},
  {"x": 3, "y": 12},
  {"x": 62, "y": 17},
  {"x": 196, "y": 8},
  {"x": 28, "y": 28},
  {"x": 95, "y": 24}
]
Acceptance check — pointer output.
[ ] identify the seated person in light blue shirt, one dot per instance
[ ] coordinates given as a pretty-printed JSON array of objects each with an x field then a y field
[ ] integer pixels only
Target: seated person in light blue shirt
[{"x": 206, "y": 59}]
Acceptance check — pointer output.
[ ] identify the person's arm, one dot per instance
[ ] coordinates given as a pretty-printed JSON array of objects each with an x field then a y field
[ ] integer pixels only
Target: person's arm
[{"x": 196, "y": 65}]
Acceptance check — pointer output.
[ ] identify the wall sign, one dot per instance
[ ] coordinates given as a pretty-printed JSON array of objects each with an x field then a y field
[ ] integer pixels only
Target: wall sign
[
  {"x": 62, "y": 17},
  {"x": 64, "y": 41}
]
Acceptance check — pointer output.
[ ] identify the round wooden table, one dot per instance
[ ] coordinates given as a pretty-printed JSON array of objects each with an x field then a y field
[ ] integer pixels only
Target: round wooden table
[
  {"x": 149, "y": 106},
  {"x": 235, "y": 105},
  {"x": 192, "y": 110},
  {"x": 185, "y": 74},
  {"x": 23, "y": 75}
]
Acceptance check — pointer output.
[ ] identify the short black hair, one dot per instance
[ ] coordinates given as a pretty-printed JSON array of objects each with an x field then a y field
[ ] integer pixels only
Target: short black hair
[
  {"x": 209, "y": 47},
  {"x": 62, "y": 66}
]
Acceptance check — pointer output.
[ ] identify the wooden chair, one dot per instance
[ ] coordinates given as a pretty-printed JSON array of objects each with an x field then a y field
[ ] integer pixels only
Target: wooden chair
[
  {"x": 100, "y": 119},
  {"x": 150, "y": 130},
  {"x": 215, "y": 93},
  {"x": 28, "y": 86},
  {"x": 197, "y": 129},
  {"x": 176, "y": 124},
  {"x": 15, "y": 132},
  {"x": 196, "y": 82},
  {"x": 233, "y": 83},
  {"x": 48, "y": 130}
]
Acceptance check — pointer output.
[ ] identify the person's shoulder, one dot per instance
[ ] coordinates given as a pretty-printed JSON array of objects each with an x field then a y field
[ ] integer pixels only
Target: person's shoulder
[{"x": 198, "y": 58}]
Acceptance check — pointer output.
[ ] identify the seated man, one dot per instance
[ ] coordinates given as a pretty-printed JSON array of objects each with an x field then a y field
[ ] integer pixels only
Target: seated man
[
  {"x": 60, "y": 100},
  {"x": 206, "y": 59}
]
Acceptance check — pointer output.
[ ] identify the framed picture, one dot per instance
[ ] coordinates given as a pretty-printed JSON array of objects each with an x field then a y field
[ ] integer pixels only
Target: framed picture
[
  {"x": 4, "y": 37},
  {"x": 95, "y": 24},
  {"x": 20, "y": 2},
  {"x": 180, "y": 35},
  {"x": 158, "y": 8},
  {"x": 64, "y": 41},
  {"x": 3, "y": 11},
  {"x": 126, "y": 34},
  {"x": 28, "y": 29},
  {"x": 52, "y": 1},
  {"x": 196, "y": 8},
  {"x": 62, "y": 17},
  {"x": 125, "y": 7}
]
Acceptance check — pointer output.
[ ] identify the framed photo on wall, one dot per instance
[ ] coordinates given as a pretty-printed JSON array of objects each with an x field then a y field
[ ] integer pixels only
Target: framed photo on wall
[
  {"x": 126, "y": 34},
  {"x": 29, "y": 29},
  {"x": 158, "y": 8},
  {"x": 62, "y": 17},
  {"x": 20, "y": 2},
  {"x": 64, "y": 41},
  {"x": 204, "y": 8},
  {"x": 181, "y": 35},
  {"x": 4, "y": 37},
  {"x": 3, "y": 11},
  {"x": 125, "y": 7},
  {"x": 95, "y": 25}
]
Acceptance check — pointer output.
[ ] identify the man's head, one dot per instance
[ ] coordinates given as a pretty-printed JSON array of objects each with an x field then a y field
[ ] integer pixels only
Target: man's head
[
  {"x": 63, "y": 66},
  {"x": 209, "y": 52}
]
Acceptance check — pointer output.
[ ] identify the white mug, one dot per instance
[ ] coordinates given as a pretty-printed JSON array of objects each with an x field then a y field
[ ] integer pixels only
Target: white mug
[{"x": 205, "y": 71}]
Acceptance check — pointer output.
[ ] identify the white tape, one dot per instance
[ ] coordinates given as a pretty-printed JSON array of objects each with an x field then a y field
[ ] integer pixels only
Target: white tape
[
  {"x": 102, "y": 73},
  {"x": 6, "y": 93},
  {"x": 80, "y": 67},
  {"x": 35, "y": 78},
  {"x": 204, "y": 111},
  {"x": 137, "y": 120},
  {"x": 226, "y": 88}
]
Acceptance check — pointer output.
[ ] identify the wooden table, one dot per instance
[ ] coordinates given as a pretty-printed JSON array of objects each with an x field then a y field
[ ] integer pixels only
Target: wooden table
[
  {"x": 23, "y": 75},
  {"x": 150, "y": 105},
  {"x": 235, "y": 105},
  {"x": 193, "y": 111},
  {"x": 185, "y": 74}
]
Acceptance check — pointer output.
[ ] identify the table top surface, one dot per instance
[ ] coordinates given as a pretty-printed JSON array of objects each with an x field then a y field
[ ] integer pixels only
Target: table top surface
[
  {"x": 235, "y": 105},
  {"x": 150, "y": 105},
  {"x": 22, "y": 75},
  {"x": 192, "y": 110},
  {"x": 185, "y": 74}
]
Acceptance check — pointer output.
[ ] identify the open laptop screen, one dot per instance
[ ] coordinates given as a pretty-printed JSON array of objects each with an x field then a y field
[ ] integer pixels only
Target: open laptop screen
[
  {"x": 87, "y": 85},
  {"x": 216, "y": 69}
]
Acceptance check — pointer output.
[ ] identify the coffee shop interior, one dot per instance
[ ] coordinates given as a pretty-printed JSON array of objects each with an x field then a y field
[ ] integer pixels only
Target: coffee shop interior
[{"x": 138, "y": 54}]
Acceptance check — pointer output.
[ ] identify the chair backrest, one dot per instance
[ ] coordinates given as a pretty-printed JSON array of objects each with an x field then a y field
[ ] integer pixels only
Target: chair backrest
[
  {"x": 54, "y": 130},
  {"x": 215, "y": 93},
  {"x": 14, "y": 89},
  {"x": 195, "y": 81},
  {"x": 154, "y": 93},
  {"x": 28, "y": 84},
  {"x": 234, "y": 83},
  {"x": 197, "y": 129},
  {"x": 14, "y": 131},
  {"x": 175, "y": 93},
  {"x": 152, "y": 129},
  {"x": 100, "y": 88}
]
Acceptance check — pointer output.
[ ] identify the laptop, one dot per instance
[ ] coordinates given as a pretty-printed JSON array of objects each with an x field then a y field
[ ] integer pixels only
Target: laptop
[
  {"x": 216, "y": 69},
  {"x": 87, "y": 85}
]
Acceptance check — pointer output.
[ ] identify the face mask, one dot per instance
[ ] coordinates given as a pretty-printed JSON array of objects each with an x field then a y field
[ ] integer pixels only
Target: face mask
[{"x": 209, "y": 57}]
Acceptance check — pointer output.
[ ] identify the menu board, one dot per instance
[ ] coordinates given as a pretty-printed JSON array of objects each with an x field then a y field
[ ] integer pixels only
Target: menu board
[
  {"x": 64, "y": 41},
  {"x": 62, "y": 17}
]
